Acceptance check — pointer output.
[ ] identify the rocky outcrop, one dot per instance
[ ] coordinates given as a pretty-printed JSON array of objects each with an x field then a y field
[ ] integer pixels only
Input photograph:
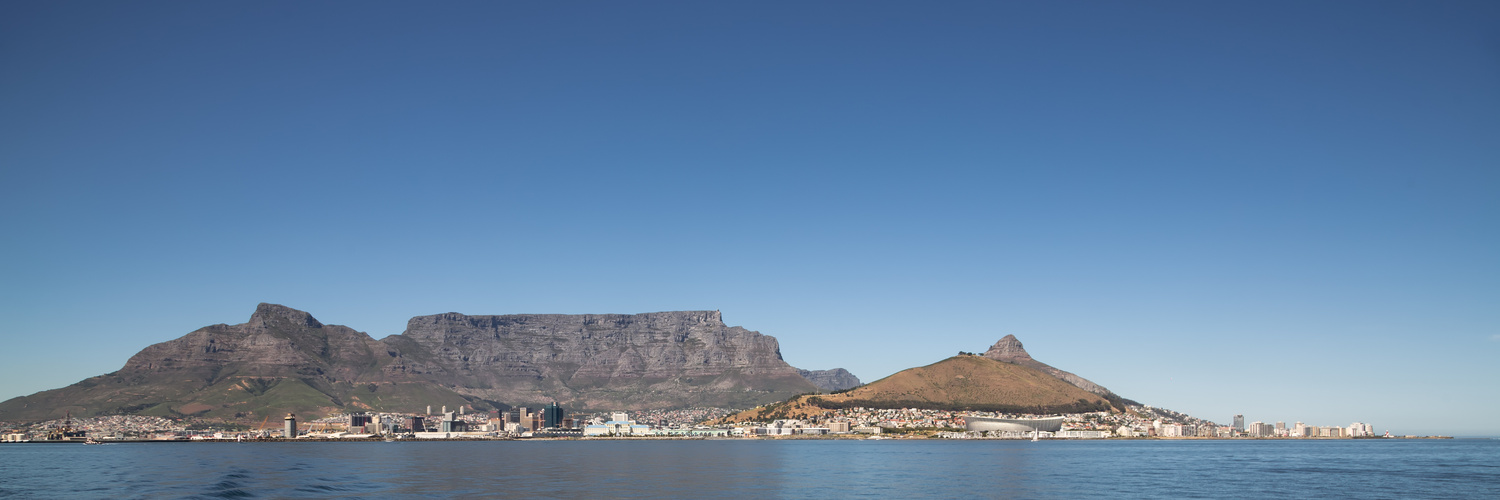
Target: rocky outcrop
[
  {"x": 653, "y": 360},
  {"x": 836, "y": 379},
  {"x": 1009, "y": 350}
]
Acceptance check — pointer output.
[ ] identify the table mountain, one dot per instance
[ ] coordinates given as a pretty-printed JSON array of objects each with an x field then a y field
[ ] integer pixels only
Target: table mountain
[{"x": 640, "y": 361}]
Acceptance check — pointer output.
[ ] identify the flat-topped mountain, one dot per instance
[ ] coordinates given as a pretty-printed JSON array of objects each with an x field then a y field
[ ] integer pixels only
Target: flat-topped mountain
[
  {"x": 285, "y": 360},
  {"x": 635, "y": 361}
]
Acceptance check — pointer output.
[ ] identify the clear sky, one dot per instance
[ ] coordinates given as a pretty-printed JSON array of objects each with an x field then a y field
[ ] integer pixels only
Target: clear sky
[{"x": 1287, "y": 210}]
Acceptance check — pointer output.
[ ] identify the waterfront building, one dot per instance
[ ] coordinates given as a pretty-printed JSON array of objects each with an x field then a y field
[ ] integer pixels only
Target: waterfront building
[
  {"x": 838, "y": 427},
  {"x": 618, "y": 425},
  {"x": 1239, "y": 423}
]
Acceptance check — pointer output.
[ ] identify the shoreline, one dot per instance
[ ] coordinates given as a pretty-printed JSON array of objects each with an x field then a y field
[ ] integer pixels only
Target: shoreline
[{"x": 701, "y": 438}]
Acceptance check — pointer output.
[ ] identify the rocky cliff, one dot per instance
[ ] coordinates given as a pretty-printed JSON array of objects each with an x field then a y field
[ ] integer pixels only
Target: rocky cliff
[
  {"x": 639, "y": 361},
  {"x": 836, "y": 379}
]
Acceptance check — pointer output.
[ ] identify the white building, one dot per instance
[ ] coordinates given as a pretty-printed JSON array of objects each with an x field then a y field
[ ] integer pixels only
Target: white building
[{"x": 618, "y": 425}]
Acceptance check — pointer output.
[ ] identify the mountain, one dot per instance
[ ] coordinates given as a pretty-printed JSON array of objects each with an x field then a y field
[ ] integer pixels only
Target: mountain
[
  {"x": 285, "y": 360},
  {"x": 1013, "y": 383},
  {"x": 967, "y": 382},
  {"x": 281, "y": 360},
  {"x": 836, "y": 379},
  {"x": 603, "y": 361}
]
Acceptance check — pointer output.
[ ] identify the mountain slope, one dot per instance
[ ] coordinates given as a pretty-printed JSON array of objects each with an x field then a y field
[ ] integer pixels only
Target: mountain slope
[
  {"x": 281, "y": 360},
  {"x": 969, "y": 382},
  {"x": 1017, "y": 384},
  {"x": 1009, "y": 350}
]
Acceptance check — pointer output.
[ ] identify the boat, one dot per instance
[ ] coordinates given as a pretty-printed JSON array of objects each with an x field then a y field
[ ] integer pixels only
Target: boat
[{"x": 92, "y": 441}]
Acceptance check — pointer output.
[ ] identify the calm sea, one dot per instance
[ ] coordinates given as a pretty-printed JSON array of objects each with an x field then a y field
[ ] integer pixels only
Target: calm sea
[{"x": 1463, "y": 468}]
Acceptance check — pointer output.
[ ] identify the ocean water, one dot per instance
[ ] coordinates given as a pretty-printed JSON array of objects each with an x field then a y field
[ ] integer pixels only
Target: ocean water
[{"x": 1461, "y": 468}]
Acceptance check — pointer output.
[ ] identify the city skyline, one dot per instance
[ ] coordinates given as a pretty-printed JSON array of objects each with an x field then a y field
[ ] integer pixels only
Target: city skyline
[{"x": 1279, "y": 209}]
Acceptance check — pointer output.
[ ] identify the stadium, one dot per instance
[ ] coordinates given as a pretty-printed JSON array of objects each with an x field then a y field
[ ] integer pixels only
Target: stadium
[{"x": 1049, "y": 424}]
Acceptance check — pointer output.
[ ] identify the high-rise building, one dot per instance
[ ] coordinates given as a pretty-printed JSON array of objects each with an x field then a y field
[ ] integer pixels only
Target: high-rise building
[
  {"x": 553, "y": 416},
  {"x": 289, "y": 429},
  {"x": 416, "y": 424},
  {"x": 1239, "y": 423}
]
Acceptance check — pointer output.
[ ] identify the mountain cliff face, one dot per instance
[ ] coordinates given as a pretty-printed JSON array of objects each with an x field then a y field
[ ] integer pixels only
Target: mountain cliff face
[
  {"x": 653, "y": 360},
  {"x": 836, "y": 379},
  {"x": 1009, "y": 350},
  {"x": 285, "y": 360}
]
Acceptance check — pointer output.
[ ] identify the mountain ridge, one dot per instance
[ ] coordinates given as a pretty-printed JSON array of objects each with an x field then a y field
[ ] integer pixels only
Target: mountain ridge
[{"x": 283, "y": 359}]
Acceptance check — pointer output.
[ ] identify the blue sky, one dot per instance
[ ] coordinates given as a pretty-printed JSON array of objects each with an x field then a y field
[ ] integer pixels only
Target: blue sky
[{"x": 1284, "y": 210}]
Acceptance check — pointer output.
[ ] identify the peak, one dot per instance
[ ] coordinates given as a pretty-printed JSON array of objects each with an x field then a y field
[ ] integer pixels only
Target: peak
[
  {"x": 1008, "y": 349},
  {"x": 266, "y": 314}
]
